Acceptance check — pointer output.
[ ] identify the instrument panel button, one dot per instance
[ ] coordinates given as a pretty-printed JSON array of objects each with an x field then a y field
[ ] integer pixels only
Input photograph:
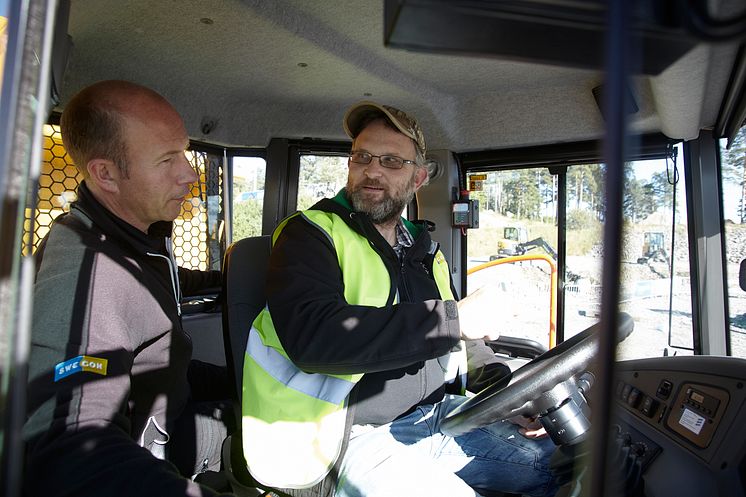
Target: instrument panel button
[{"x": 664, "y": 389}]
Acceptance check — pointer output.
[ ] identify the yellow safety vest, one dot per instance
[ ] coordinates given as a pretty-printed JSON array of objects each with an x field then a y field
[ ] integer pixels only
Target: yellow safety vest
[{"x": 293, "y": 422}]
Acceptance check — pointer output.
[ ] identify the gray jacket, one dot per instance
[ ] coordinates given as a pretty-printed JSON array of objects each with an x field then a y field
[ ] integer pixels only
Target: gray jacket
[{"x": 109, "y": 358}]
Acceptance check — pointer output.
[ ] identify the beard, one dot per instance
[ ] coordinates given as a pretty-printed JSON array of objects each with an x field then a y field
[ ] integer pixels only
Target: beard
[{"x": 385, "y": 210}]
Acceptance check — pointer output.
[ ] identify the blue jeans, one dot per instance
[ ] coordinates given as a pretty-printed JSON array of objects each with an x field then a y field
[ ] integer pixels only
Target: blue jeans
[{"x": 411, "y": 457}]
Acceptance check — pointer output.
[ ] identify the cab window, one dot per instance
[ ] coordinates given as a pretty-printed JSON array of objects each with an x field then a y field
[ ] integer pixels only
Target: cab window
[
  {"x": 320, "y": 176},
  {"x": 249, "y": 173},
  {"x": 546, "y": 267},
  {"x": 733, "y": 180}
]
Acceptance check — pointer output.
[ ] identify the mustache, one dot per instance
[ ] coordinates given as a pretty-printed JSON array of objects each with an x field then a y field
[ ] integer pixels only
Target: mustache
[{"x": 371, "y": 184}]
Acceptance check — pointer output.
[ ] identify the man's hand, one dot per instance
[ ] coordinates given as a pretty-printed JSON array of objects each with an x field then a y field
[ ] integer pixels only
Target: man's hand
[
  {"x": 529, "y": 427},
  {"x": 477, "y": 314}
]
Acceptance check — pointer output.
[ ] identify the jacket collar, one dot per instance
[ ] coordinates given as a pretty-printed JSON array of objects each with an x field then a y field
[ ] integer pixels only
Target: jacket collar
[{"x": 117, "y": 228}]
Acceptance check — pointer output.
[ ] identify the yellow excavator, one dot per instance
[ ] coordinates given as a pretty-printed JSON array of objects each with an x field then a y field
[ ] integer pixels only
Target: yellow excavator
[
  {"x": 653, "y": 248},
  {"x": 515, "y": 242}
]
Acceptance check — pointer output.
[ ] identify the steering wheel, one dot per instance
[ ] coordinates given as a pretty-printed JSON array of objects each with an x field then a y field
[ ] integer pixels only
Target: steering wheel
[{"x": 522, "y": 391}]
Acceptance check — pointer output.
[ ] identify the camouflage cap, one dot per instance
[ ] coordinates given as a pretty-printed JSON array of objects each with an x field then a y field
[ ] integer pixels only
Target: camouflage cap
[{"x": 356, "y": 114}]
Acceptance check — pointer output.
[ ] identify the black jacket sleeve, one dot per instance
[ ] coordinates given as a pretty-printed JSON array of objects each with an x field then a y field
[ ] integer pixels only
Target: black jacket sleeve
[{"x": 323, "y": 333}]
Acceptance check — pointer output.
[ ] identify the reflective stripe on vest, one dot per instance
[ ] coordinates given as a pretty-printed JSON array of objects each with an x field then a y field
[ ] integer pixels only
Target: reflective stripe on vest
[
  {"x": 323, "y": 387},
  {"x": 293, "y": 422}
]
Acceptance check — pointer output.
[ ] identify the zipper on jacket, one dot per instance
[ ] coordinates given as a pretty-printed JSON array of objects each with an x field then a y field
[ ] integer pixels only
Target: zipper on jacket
[
  {"x": 403, "y": 280},
  {"x": 407, "y": 294},
  {"x": 173, "y": 271}
]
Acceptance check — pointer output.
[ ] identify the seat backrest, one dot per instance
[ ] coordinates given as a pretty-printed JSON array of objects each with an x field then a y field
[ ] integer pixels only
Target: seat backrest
[{"x": 244, "y": 277}]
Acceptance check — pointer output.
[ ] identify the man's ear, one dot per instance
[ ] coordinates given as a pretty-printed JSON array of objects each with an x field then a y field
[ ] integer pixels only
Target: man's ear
[
  {"x": 105, "y": 174},
  {"x": 420, "y": 175}
]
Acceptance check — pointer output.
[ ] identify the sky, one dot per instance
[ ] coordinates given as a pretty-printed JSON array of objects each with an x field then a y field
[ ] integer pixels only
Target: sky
[{"x": 731, "y": 190}]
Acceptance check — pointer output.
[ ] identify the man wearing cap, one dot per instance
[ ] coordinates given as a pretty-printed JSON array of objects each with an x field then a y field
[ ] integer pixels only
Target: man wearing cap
[{"x": 346, "y": 369}]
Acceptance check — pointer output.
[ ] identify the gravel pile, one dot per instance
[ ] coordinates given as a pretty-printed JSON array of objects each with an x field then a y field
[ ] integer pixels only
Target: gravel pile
[{"x": 735, "y": 242}]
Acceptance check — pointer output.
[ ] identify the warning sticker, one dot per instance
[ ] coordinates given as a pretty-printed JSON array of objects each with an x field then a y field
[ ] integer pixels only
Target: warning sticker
[
  {"x": 476, "y": 185},
  {"x": 692, "y": 421}
]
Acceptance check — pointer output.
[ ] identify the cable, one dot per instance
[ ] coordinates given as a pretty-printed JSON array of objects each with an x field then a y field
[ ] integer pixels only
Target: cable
[
  {"x": 672, "y": 175},
  {"x": 673, "y": 179}
]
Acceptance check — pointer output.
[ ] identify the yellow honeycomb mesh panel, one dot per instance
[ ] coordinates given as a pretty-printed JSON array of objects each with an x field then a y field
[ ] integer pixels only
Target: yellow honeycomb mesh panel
[{"x": 58, "y": 180}]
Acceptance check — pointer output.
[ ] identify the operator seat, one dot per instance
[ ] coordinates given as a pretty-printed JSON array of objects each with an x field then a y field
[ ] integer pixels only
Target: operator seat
[{"x": 244, "y": 276}]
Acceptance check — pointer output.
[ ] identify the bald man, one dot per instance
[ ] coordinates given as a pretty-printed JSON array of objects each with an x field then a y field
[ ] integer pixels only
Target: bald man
[{"x": 110, "y": 409}]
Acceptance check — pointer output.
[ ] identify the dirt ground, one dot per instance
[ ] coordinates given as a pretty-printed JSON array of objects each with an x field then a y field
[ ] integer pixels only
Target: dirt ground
[{"x": 521, "y": 298}]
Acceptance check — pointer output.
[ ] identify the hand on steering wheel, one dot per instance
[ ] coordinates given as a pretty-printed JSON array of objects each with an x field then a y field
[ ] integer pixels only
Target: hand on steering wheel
[{"x": 546, "y": 381}]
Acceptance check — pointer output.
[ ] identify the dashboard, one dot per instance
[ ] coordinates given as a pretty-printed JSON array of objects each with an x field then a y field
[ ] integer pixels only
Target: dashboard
[{"x": 683, "y": 422}]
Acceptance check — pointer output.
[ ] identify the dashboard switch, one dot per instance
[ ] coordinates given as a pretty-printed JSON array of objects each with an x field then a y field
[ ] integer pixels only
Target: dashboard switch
[
  {"x": 649, "y": 406},
  {"x": 664, "y": 389},
  {"x": 633, "y": 399},
  {"x": 625, "y": 392}
]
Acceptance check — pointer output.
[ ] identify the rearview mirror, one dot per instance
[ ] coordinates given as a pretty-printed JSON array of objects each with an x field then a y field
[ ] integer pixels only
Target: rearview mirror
[{"x": 742, "y": 275}]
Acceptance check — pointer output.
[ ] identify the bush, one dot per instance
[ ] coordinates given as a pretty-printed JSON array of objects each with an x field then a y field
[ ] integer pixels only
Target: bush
[
  {"x": 578, "y": 219},
  {"x": 247, "y": 219}
]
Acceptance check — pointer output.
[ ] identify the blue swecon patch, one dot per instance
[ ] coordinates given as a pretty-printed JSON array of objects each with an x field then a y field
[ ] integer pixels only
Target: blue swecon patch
[{"x": 80, "y": 364}]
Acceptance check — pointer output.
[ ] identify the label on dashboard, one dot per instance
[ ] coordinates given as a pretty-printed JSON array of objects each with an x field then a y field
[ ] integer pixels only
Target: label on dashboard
[{"x": 692, "y": 421}]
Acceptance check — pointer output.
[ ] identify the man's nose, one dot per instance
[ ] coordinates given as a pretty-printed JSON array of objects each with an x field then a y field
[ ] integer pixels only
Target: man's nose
[
  {"x": 187, "y": 174},
  {"x": 374, "y": 169}
]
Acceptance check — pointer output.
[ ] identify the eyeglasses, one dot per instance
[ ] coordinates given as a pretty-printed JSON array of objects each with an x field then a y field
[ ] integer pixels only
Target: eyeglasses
[{"x": 387, "y": 161}]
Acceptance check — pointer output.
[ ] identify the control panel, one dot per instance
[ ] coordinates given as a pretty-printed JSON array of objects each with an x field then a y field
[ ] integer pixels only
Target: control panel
[
  {"x": 690, "y": 409},
  {"x": 679, "y": 428},
  {"x": 635, "y": 445},
  {"x": 696, "y": 412}
]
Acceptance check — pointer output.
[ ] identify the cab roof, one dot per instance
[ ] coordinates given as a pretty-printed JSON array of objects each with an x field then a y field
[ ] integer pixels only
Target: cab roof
[{"x": 289, "y": 68}]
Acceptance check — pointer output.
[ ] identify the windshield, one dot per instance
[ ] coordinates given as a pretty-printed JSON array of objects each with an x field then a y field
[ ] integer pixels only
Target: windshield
[{"x": 655, "y": 274}]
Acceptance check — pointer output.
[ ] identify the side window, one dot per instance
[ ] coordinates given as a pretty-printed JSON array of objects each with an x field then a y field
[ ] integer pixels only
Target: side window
[
  {"x": 320, "y": 176},
  {"x": 196, "y": 231},
  {"x": 3, "y": 37},
  {"x": 248, "y": 195},
  {"x": 733, "y": 180}
]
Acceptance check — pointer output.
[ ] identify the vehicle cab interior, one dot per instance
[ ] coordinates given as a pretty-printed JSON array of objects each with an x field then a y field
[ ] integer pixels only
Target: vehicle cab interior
[{"x": 588, "y": 169}]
